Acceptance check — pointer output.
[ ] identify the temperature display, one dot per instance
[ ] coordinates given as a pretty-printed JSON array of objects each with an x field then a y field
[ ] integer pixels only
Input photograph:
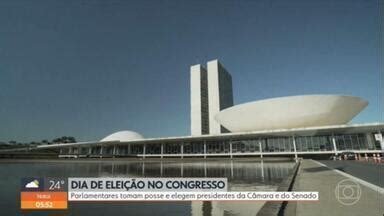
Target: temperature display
[{"x": 44, "y": 193}]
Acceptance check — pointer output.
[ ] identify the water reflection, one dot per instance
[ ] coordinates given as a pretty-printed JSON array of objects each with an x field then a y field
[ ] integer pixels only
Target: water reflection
[
  {"x": 242, "y": 176},
  {"x": 237, "y": 172},
  {"x": 225, "y": 208}
]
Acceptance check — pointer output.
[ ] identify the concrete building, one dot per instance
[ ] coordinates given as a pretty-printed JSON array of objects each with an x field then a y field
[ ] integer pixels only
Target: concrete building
[
  {"x": 303, "y": 125},
  {"x": 211, "y": 92},
  {"x": 199, "y": 101},
  {"x": 291, "y": 112},
  {"x": 294, "y": 142}
]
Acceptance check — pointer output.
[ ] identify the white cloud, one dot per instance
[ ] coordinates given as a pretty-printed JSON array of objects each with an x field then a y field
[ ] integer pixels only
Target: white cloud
[{"x": 32, "y": 184}]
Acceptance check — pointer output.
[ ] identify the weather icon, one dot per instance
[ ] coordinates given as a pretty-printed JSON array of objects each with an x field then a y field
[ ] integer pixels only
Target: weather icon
[{"x": 33, "y": 184}]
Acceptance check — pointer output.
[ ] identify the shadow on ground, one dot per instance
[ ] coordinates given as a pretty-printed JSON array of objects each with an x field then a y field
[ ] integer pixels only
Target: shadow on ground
[
  {"x": 316, "y": 169},
  {"x": 340, "y": 168}
]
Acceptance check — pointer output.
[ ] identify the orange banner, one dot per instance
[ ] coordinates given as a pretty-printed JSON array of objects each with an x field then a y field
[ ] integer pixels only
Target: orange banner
[
  {"x": 44, "y": 204},
  {"x": 44, "y": 200},
  {"x": 44, "y": 196}
]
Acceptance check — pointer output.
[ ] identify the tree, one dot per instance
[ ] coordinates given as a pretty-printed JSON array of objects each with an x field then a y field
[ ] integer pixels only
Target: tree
[
  {"x": 64, "y": 139},
  {"x": 71, "y": 139},
  {"x": 57, "y": 140}
]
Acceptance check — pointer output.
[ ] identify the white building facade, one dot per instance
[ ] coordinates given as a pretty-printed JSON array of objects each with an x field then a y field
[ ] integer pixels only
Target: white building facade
[{"x": 211, "y": 92}]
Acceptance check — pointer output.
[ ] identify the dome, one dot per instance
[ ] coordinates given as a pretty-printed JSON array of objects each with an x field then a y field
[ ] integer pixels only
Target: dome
[
  {"x": 123, "y": 136},
  {"x": 291, "y": 112}
]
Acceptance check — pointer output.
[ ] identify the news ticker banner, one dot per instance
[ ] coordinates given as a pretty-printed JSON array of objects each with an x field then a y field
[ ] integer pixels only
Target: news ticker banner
[
  {"x": 194, "y": 196},
  {"x": 146, "y": 184},
  {"x": 54, "y": 193}
]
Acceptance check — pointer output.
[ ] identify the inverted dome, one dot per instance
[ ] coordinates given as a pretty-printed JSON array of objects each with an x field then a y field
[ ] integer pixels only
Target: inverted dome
[
  {"x": 123, "y": 136},
  {"x": 291, "y": 112}
]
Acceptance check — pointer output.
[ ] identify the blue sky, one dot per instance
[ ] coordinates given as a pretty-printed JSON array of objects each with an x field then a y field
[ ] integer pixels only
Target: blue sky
[{"x": 90, "y": 68}]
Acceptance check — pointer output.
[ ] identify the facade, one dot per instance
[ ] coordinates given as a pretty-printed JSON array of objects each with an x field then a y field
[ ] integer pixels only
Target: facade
[
  {"x": 211, "y": 92},
  {"x": 220, "y": 95},
  {"x": 291, "y": 112},
  {"x": 299, "y": 142},
  {"x": 199, "y": 101}
]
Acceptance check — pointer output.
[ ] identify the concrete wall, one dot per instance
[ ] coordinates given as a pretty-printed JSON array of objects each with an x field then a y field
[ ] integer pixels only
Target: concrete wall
[
  {"x": 195, "y": 100},
  {"x": 211, "y": 91},
  {"x": 220, "y": 94},
  {"x": 213, "y": 96}
]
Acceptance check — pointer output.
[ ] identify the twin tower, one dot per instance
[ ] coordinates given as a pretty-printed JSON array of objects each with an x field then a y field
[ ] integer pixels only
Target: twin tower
[{"x": 211, "y": 91}]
